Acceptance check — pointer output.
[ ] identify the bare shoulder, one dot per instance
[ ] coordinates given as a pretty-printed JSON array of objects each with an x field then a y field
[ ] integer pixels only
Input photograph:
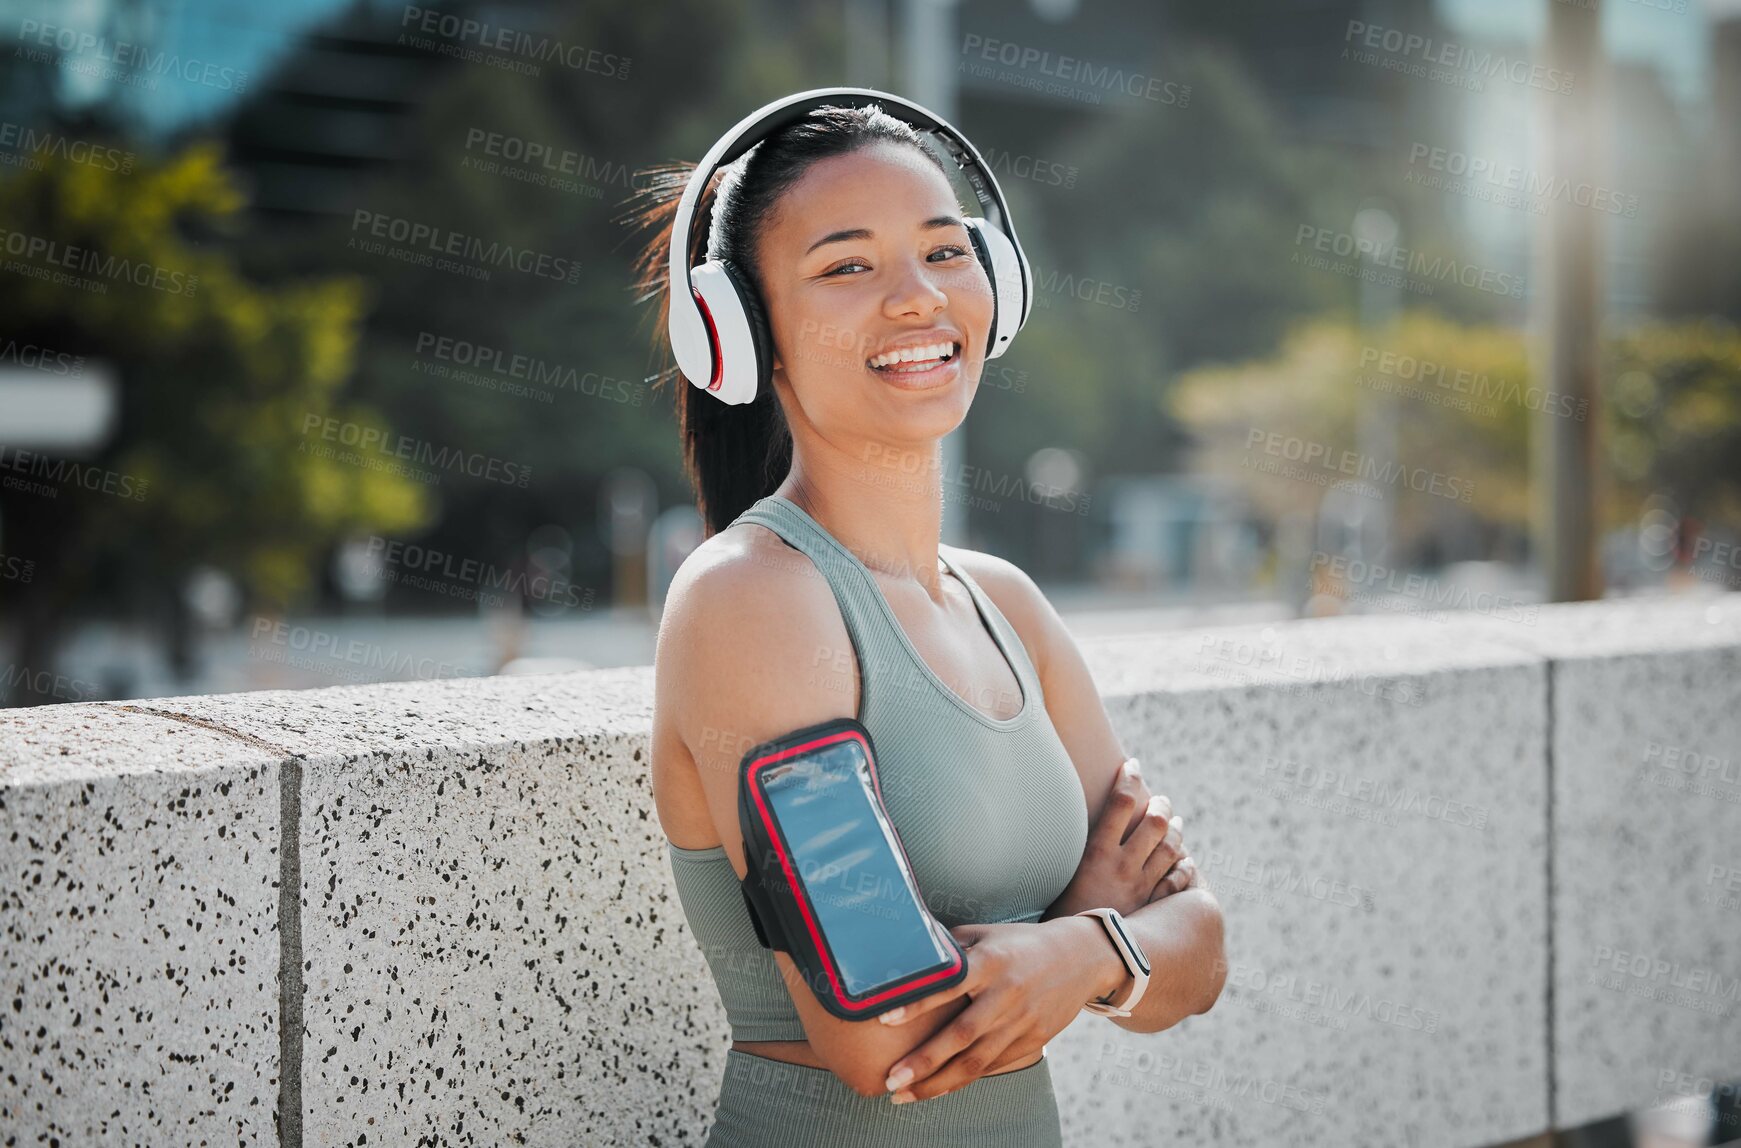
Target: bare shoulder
[
  {"x": 745, "y": 644},
  {"x": 748, "y": 649}
]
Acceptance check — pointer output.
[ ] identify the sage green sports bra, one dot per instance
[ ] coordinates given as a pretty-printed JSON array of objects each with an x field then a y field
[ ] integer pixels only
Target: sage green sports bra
[{"x": 992, "y": 812}]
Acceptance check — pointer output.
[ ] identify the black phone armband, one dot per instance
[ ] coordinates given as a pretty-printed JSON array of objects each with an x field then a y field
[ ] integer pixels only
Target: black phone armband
[{"x": 828, "y": 880}]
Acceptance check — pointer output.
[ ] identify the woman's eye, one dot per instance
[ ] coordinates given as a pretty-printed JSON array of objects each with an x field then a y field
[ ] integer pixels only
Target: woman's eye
[{"x": 949, "y": 252}]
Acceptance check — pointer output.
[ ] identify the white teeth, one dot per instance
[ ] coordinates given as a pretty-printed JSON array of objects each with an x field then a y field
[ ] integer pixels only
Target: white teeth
[{"x": 914, "y": 354}]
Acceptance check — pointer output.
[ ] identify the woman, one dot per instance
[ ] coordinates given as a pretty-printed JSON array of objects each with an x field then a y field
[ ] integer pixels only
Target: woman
[{"x": 823, "y": 591}]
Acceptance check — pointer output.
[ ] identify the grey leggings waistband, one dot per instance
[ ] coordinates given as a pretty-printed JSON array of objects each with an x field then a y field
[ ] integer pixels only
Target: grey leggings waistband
[{"x": 767, "y": 1103}]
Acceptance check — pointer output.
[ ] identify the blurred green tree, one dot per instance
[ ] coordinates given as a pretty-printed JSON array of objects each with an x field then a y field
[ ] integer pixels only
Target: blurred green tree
[
  {"x": 1463, "y": 397},
  {"x": 219, "y": 378},
  {"x": 1672, "y": 419}
]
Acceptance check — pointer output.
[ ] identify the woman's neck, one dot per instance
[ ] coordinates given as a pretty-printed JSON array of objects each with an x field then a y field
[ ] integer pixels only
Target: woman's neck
[{"x": 890, "y": 518}]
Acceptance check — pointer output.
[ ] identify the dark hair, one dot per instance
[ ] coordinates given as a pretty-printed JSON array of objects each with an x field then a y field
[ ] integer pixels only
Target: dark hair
[{"x": 736, "y": 454}]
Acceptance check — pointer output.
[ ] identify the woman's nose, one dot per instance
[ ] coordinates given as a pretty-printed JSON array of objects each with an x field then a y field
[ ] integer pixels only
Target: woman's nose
[{"x": 918, "y": 290}]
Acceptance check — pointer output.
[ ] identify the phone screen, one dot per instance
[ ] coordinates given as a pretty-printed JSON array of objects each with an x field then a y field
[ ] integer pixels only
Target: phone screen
[{"x": 845, "y": 854}]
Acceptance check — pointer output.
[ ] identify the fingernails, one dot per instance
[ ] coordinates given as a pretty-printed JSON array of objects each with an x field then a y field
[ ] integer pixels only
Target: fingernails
[
  {"x": 897, "y": 1078},
  {"x": 901, "y": 1098},
  {"x": 894, "y": 1015}
]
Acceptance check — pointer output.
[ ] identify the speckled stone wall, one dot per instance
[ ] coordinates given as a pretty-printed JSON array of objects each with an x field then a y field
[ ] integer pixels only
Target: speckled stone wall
[
  {"x": 1366, "y": 799},
  {"x": 444, "y": 911},
  {"x": 139, "y": 946},
  {"x": 1646, "y": 771}
]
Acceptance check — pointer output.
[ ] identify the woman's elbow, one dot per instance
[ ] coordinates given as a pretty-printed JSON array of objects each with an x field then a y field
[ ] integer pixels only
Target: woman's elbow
[
  {"x": 1215, "y": 955},
  {"x": 864, "y": 1069}
]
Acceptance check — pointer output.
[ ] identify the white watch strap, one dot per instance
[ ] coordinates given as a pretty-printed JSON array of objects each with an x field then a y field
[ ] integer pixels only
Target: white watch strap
[{"x": 1136, "y": 963}]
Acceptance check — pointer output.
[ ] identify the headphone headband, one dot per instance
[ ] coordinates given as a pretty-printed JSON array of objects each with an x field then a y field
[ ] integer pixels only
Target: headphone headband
[{"x": 688, "y": 327}]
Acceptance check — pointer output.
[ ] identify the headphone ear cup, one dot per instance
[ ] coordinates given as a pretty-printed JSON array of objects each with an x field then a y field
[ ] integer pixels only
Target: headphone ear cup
[
  {"x": 981, "y": 253},
  {"x": 1003, "y": 266},
  {"x": 761, "y": 335}
]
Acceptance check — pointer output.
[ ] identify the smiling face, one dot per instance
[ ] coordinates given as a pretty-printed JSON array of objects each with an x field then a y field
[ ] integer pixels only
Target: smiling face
[{"x": 866, "y": 255}]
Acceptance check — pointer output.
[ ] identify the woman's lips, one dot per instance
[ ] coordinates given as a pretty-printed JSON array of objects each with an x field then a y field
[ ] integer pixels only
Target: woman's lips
[{"x": 937, "y": 374}]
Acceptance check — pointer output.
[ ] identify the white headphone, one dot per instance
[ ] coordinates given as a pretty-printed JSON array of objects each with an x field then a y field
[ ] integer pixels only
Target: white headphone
[{"x": 719, "y": 330}]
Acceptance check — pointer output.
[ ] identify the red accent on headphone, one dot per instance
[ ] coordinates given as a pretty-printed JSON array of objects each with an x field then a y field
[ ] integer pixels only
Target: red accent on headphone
[{"x": 712, "y": 341}]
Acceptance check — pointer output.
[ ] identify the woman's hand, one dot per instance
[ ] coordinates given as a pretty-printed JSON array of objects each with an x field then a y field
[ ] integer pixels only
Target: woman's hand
[
  {"x": 1128, "y": 872},
  {"x": 1024, "y": 987}
]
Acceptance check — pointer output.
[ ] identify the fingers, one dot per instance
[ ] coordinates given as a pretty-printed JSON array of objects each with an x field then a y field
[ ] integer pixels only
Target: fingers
[
  {"x": 1182, "y": 876},
  {"x": 1123, "y": 803},
  {"x": 965, "y": 936},
  {"x": 957, "y": 1055},
  {"x": 1143, "y": 795},
  {"x": 925, "y": 1004},
  {"x": 1152, "y": 828},
  {"x": 1167, "y": 850}
]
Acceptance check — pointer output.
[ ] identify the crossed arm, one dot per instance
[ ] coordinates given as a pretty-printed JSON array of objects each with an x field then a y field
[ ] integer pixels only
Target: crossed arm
[
  {"x": 1180, "y": 932},
  {"x": 1032, "y": 980},
  {"x": 1181, "y": 936}
]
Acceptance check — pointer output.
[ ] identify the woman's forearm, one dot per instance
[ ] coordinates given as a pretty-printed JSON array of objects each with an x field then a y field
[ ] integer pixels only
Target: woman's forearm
[{"x": 1182, "y": 937}]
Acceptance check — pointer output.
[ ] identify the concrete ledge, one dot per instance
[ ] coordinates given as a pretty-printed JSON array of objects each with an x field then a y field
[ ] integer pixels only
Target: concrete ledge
[
  {"x": 1427, "y": 833},
  {"x": 1646, "y": 822}
]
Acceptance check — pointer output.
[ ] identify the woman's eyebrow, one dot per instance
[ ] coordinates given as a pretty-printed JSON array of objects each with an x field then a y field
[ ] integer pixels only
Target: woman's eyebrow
[{"x": 931, "y": 224}]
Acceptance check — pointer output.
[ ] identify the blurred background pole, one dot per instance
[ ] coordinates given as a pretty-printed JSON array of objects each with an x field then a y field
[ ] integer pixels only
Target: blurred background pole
[
  {"x": 1376, "y": 417},
  {"x": 927, "y": 76},
  {"x": 1569, "y": 309}
]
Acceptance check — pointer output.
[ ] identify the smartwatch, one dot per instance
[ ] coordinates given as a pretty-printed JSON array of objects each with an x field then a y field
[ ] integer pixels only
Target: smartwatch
[{"x": 1136, "y": 963}]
